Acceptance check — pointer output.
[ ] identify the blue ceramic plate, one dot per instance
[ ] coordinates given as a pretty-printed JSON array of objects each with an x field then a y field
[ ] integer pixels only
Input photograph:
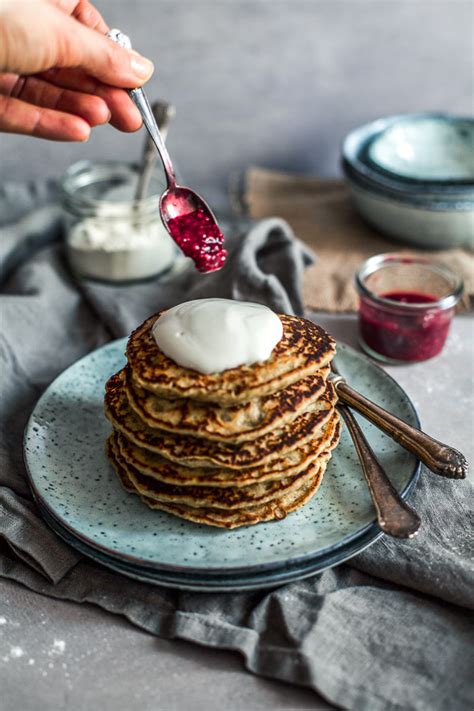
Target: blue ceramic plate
[
  {"x": 225, "y": 583},
  {"x": 74, "y": 483}
]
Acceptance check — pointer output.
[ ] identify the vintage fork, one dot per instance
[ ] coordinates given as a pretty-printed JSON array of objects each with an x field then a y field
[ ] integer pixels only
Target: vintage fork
[{"x": 438, "y": 457}]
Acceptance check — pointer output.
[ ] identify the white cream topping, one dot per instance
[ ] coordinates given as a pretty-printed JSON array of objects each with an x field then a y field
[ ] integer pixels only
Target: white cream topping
[{"x": 212, "y": 335}]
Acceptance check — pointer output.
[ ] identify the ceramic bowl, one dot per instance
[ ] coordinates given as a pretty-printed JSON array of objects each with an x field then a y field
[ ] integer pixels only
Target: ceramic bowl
[
  {"x": 412, "y": 177},
  {"x": 433, "y": 224}
]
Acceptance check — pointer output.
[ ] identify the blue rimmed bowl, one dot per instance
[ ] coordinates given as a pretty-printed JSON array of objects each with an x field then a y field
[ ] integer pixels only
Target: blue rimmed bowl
[{"x": 412, "y": 177}]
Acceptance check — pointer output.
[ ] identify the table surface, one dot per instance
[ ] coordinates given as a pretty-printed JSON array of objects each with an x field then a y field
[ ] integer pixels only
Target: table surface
[{"x": 59, "y": 655}]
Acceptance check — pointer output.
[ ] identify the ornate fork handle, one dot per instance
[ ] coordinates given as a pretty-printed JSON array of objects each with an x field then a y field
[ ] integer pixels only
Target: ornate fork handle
[
  {"x": 394, "y": 516},
  {"x": 441, "y": 459}
]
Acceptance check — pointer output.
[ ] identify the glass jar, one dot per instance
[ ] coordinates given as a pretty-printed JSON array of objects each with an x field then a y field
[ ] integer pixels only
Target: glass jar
[
  {"x": 110, "y": 236},
  {"x": 406, "y": 307}
]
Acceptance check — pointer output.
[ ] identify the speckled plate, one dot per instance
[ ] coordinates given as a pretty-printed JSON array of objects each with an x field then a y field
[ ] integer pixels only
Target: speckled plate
[
  {"x": 226, "y": 583},
  {"x": 78, "y": 491}
]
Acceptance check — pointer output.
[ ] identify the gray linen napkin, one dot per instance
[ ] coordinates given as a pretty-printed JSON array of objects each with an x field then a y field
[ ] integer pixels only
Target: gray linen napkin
[{"x": 388, "y": 631}]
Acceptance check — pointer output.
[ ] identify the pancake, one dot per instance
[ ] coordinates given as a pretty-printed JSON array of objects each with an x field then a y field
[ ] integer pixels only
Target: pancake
[
  {"x": 275, "y": 509},
  {"x": 304, "y": 349},
  {"x": 192, "y": 451},
  {"x": 155, "y": 466},
  {"x": 208, "y": 496},
  {"x": 234, "y": 423}
]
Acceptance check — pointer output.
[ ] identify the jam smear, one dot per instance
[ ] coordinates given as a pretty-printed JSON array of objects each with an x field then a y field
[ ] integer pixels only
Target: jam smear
[
  {"x": 404, "y": 334},
  {"x": 200, "y": 238}
]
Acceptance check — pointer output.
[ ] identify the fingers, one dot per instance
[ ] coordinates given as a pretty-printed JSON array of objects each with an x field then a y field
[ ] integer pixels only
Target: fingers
[
  {"x": 32, "y": 90},
  {"x": 17, "y": 116},
  {"x": 124, "y": 114},
  {"x": 86, "y": 13},
  {"x": 87, "y": 69},
  {"x": 83, "y": 11},
  {"x": 104, "y": 59},
  {"x": 53, "y": 38}
]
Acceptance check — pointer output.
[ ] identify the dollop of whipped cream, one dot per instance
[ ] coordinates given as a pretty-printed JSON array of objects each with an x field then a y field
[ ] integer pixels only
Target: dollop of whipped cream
[{"x": 213, "y": 335}]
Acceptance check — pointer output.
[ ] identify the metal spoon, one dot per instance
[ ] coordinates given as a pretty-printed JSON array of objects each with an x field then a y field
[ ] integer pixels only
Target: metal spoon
[
  {"x": 177, "y": 201},
  {"x": 394, "y": 516},
  {"x": 163, "y": 113}
]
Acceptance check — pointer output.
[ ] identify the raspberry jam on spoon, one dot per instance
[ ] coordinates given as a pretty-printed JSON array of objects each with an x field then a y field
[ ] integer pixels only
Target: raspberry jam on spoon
[
  {"x": 188, "y": 219},
  {"x": 192, "y": 226}
]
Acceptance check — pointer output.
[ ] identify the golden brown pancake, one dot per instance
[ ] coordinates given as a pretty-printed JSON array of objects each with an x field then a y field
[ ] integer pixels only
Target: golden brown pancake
[
  {"x": 275, "y": 509},
  {"x": 229, "y": 498},
  {"x": 192, "y": 451},
  {"x": 227, "y": 449},
  {"x": 155, "y": 466},
  {"x": 234, "y": 423},
  {"x": 304, "y": 349}
]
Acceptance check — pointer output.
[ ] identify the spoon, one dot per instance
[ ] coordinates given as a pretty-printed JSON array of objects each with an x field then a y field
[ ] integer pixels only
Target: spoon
[
  {"x": 186, "y": 216},
  {"x": 163, "y": 113},
  {"x": 394, "y": 516}
]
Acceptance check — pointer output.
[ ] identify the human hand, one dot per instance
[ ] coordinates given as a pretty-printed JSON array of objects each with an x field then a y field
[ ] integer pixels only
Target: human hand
[{"x": 59, "y": 73}]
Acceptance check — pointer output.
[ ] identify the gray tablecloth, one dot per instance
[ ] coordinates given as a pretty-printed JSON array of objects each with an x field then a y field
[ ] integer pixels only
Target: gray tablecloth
[{"x": 390, "y": 630}]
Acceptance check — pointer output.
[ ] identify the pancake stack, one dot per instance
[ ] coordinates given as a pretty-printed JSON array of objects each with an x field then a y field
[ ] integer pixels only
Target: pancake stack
[{"x": 235, "y": 448}]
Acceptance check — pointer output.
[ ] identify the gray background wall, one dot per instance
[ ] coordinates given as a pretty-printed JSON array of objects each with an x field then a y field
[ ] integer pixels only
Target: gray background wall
[{"x": 275, "y": 82}]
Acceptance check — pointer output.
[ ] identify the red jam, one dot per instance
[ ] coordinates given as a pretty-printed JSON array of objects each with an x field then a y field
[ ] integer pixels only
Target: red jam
[
  {"x": 200, "y": 238},
  {"x": 409, "y": 297},
  {"x": 401, "y": 333}
]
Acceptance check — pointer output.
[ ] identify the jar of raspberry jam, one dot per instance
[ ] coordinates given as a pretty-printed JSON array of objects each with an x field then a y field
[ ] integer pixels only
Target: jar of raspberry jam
[{"x": 406, "y": 307}]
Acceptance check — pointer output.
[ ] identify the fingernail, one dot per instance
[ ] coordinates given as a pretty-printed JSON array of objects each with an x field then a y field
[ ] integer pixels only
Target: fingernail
[{"x": 141, "y": 66}]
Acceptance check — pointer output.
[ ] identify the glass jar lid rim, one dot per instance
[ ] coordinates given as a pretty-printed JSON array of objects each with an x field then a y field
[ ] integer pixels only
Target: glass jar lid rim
[
  {"x": 392, "y": 259},
  {"x": 86, "y": 172}
]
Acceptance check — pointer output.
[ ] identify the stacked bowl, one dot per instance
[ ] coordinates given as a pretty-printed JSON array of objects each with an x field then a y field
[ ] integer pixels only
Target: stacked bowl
[{"x": 412, "y": 177}]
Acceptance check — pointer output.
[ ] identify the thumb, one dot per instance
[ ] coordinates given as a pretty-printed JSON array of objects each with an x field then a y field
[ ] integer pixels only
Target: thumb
[{"x": 102, "y": 58}]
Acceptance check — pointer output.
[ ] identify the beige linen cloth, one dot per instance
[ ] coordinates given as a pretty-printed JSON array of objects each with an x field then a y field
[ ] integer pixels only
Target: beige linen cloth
[{"x": 321, "y": 214}]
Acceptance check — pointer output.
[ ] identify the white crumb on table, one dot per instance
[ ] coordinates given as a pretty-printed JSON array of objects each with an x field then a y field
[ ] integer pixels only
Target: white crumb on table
[
  {"x": 59, "y": 645},
  {"x": 16, "y": 652}
]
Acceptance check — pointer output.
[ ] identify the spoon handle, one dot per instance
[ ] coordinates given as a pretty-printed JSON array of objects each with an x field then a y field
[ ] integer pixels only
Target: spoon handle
[
  {"x": 140, "y": 100},
  {"x": 438, "y": 457},
  {"x": 394, "y": 516},
  {"x": 163, "y": 113}
]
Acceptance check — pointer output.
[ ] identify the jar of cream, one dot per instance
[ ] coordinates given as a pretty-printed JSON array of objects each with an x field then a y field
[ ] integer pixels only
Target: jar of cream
[
  {"x": 406, "y": 307},
  {"x": 110, "y": 236}
]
